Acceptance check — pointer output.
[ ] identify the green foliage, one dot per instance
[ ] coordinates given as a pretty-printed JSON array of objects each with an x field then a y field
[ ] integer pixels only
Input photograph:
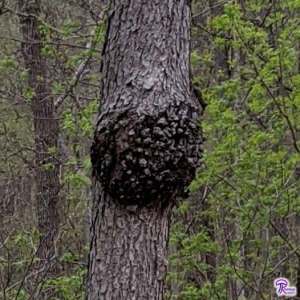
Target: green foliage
[
  {"x": 68, "y": 287},
  {"x": 245, "y": 224},
  {"x": 71, "y": 38},
  {"x": 29, "y": 93}
]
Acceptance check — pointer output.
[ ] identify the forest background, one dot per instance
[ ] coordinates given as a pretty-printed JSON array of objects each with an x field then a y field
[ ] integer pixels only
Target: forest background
[{"x": 239, "y": 228}]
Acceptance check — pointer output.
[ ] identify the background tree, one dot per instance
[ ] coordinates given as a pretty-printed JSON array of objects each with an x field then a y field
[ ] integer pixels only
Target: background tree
[{"x": 46, "y": 128}]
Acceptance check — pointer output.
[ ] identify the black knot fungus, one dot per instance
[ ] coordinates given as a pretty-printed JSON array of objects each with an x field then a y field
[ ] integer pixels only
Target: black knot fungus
[{"x": 142, "y": 159}]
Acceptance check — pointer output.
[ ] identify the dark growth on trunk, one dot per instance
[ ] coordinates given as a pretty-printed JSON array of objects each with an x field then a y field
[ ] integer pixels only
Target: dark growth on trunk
[{"x": 147, "y": 142}]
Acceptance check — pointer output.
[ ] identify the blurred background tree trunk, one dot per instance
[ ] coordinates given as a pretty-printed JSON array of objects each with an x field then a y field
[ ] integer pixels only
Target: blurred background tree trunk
[{"x": 46, "y": 130}]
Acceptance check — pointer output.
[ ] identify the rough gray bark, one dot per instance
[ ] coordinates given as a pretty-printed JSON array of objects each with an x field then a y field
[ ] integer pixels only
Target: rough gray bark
[
  {"x": 128, "y": 250},
  {"x": 147, "y": 139},
  {"x": 45, "y": 128},
  {"x": 147, "y": 146}
]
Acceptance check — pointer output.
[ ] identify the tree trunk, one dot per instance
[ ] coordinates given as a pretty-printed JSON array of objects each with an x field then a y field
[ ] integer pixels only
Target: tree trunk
[
  {"x": 128, "y": 250},
  {"x": 147, "y": 146},
  {"x": 46, "y": 128}
]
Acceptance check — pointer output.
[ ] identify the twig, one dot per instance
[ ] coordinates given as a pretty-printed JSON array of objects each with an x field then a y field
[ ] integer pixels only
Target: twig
[{"x": 80, "y": 69}]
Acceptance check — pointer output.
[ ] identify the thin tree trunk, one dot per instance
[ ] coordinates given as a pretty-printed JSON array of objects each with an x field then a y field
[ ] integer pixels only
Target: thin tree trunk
[
  {"x": 146, "y": 149},
  {"x": 46, "y": 128}
]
